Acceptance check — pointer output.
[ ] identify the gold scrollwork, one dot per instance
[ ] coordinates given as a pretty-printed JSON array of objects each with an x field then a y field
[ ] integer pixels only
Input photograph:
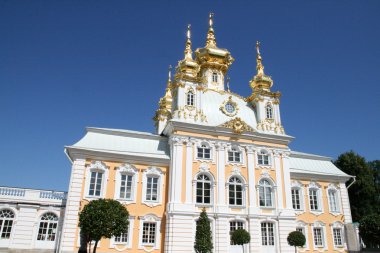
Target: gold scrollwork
[
  {"x": 234, "y": 104},
  {"x": 238, "y": 126}
]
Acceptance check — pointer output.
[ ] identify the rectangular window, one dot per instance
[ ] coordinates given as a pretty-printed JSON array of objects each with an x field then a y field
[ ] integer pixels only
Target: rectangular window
[
  {"x": 152, "y": 189},
  {"x": 338, "y": 237},
  {"x": 215, "y": 77},
  {"x": 267, "y": 234},
  {"x": 302, "y": 230},
  {"x": 313, "y": 195},
  {"x": 318, "y": 241},
  {"x": 296, "y": 199},
  {"x": 95, "y": 183},
  {"x": 126, "y": 187},
  {"x": 235, "y": 225},
  {"x": 204, "y": 153},
  {"x": 333, "y": 201},
  {"x": 234, "y": 156},
  {"x": 123, "y": 238},
  {"x": 263, "y": 159},
  {"x": 6, "y": 228},
  {"x": 149, "y": 233}
]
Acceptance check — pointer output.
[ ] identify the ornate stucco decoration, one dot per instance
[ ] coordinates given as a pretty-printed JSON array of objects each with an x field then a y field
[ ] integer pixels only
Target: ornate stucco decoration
[
  {"x": 237, "y": 125},
  {"x": 192, "y": 114},
  {"x": 229, "y": 107},
  {"x": 270, "y": 126}
]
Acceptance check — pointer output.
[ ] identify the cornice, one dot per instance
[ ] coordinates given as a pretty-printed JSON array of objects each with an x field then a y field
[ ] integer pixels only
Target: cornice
[{"x": 121, "y": 132}]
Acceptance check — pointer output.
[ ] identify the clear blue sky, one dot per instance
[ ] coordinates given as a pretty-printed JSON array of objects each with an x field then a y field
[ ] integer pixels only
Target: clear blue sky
[{"x": 65, "y": 65}]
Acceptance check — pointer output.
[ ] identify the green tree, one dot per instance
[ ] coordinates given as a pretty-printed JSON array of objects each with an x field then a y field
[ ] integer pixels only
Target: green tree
[
  {"x": 362, "y": 193},
  {"x": 369, "y": 227},
  {"x": 203, "y": 237},
  {"x": 103, "y": 218},
  {"x": 375, "y": 166},
  {"x": 240, "y": 237},
  {"x": 296, "y": 239}
]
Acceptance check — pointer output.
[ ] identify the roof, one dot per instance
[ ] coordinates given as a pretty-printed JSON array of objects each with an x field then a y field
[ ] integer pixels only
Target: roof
[
  {"x": 123, "y": 142},
  {"x": 314, "y": 164}
]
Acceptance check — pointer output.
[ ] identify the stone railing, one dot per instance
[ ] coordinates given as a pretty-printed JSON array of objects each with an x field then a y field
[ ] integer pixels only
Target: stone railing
[{"x": 31, "y": 195}]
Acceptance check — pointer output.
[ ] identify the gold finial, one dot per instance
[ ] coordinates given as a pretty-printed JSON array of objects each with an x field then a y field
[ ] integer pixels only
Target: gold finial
[
  {"x": 228, "y": 84},
  {"x": 170, "y": 74},
  {"x": 188, "y": 51},
  {"x": 210, "y": 42},
  {"x": 259, "y": 67}
]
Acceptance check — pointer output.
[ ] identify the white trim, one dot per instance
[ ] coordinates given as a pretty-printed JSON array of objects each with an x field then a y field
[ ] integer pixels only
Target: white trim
[
  {"x": 315, "y": 186},
  {"x": 299, "y": 186},
  {"x": 155, "y": 172},
  {"x": 210, "y": 145},
  {"x": 338, "y": 225},
  {"x": 157, "y": 240},
  {"x": 266, "y": 176},
  {"x": 304, "y": 226},
  {"x": 123, "y": 246},
  {"x": 6, "y": 242},
  {"x": 319, "y": 224},
  {"x": 242, "y": 155},
  {"x": 130, "y": 170},
  {"x": 204, "y": 169},
  {"x": 334, "y": 188},
  {"x": 236, "y": 173},
  {"x": 96, "y": 166},
  {"x": 270, "y": 158},
  {"x": 45, "y": 244}
]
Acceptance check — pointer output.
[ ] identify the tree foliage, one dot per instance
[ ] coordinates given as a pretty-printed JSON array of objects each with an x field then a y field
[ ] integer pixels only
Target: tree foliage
[
  {"x": 240, "y": 237},
  {"x": 369, "y": 228},
  {"x": 362, "y": 193},
  {"x": 296, "y": 239},
  {"x": 203, "y": 237},
  {"x": 103, "y": 218}
]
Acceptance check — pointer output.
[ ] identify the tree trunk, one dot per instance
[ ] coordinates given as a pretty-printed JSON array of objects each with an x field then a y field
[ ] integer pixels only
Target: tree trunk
[
  {"x": 95, "y": 246},
  {"x": 243, "y": 247},
  {"x": 295, "y": 249}
]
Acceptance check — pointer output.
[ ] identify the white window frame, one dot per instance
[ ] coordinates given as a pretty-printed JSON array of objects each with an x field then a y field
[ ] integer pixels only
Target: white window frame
[
  {"x": 150, "y": 218},
  {"x": 204, "y": 182},
  {"x": 263, "y": 152},
  {"x": 130, "y": 170},
  {"x": 96, "y": 166},
  {"x": 120, "y": 246},
  {"x": 274, "y": 234},
  {"x": 296, "y": 185},
  {"x": 304, "y": 226},
  {"x": 236, "y": 227},
  {"x": 236, "y": 149},
  {"x": 269, "y": 112},
  {"x": 273, "y": 193},
  {"x": 4, "y": 242},
  {"x": 334, "y": 188},
  {"x": 243, "y": 189},
  {"x": 152, "y": 172},
  {"x": 321, "y": 225},
  {"x": 214, "y": 77},
  {"x": 188, "y": 99},
  {"x": 338, "y": 225},
  {"x": 318, "y": 188},
  {"x": 208, "y": 145},
  {"x": 45, "y": 244},
  {"x": 204, "y": 169}
]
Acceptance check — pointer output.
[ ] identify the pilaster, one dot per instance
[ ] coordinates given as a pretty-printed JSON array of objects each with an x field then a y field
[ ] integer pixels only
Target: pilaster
[
  {"x": 221, "y": 161},
  {"x": 345, "y": 203},
  {"x": 279, "y": 183},
  {"x": 251, "y": 180},
  {"x": 287, "y": 182},
  {"x": 189, "y": 168}
]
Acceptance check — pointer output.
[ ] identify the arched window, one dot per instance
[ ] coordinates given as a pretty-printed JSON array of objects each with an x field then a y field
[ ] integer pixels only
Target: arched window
[
  {"x": 234, "y": 155},
  {"x": 203, "y": 193},
  {"x": 263, "y": 158},
  {"x": 267, "y": 234},
  {"x": 269, "y": 111},
  {"x": 204, "y": 151},
  {"x": 48, "y": 227},
  {"x": 214, "y": 77},
  {"x": 235, "y": 189},
  {"x": 190, "y": 98},
  {"x": 265, "y": 193},
  {"x": 333, "y": 201},
  {"x": 6, "y": 223}
]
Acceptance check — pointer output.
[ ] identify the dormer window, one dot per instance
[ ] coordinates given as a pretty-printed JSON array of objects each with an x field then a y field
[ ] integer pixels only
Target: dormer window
[
  {"x": 190, "y": 98},
  {"x": 214, "y": 77},
  {"x": 204, "y": 152},
  {"x": 269, "y": 111}
]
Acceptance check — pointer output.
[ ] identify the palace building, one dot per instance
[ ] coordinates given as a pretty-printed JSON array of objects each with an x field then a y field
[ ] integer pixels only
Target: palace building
[{"x": 213, "y": 149}]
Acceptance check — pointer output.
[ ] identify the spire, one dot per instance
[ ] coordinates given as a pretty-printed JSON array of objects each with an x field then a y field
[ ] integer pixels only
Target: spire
[
  {"x": 259, "y": 67},
  {"x": 170, "y": 74},
  {"x": 210, "y": 42},
  {"x": 228, "y": 84},
  {"x": 188, "y": 51}
]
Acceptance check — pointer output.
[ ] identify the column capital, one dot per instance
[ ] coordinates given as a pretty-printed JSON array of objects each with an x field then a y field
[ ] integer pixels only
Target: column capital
[
  {"x": 250, "y": 149},
  {"x": 178, "y": 140},
  {"x": 220, "y": 146}
]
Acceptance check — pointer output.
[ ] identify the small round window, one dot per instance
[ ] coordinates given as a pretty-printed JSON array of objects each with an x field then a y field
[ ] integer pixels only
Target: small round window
[{"x": 230, "y": 108}]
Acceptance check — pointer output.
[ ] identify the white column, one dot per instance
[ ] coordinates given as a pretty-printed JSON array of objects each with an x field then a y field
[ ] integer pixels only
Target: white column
[
  {"x": 222, "y": 235},
  {"x": 176, "y": 170},
  {"x": 251, "y": 179},
  {"x": 221, "y": 196},
  {"x": 279, "y": 183},
  {"x": 189, "y": 171},
  {"x": 287, "y": 182},
  {"x": 70, "y": 224},
  {"x": 24, "y": 230}
]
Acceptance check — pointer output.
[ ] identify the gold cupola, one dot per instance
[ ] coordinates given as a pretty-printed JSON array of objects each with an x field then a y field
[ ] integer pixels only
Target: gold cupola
[
  {"x": 163, "y": 112},
  {"x": 187, "y": 68},
  {"x": 211, "y": 56},
  {"x": 260, "y": 81}
]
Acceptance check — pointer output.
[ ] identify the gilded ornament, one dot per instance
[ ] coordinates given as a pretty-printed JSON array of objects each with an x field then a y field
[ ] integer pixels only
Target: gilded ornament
[
  {"x": 229, "y": 103},
  {"x": 238, "y": 126}
]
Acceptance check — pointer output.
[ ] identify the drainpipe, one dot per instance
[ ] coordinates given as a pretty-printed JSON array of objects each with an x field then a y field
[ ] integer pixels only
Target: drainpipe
[
  {"x": 354, "y": 177},
  {"x": 278, "y": 231}
]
